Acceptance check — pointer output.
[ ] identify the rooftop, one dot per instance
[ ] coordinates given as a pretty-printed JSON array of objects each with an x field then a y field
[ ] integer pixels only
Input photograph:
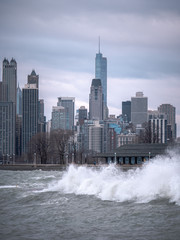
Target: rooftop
[{"x": 96, "y": 82}]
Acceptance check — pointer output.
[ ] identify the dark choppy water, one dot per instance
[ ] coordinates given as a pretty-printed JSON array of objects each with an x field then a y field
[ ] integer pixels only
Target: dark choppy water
[{"x": 86, "y": 204}]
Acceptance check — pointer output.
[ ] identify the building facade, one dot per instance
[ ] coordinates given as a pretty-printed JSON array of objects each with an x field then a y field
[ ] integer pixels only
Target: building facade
[
  {"x": 33, "y": 78},
  {"x": 93, "y": 136},
  {"x": 96, "y": 100},
  {"x": 139, "y": 109},
  {"x": 82, "y": 115},
  {"x": 41, "y": 117},
  {"x": 101, "y": 73},
  {"x": 7, "y": 131},
  {"x": 29, "y": 114},
  {"x": 8, "y": 109},
  {"x": 19, "y": 101},
  {"x": 126, "y": 111},
  {"x": 170, "y": 111},
  {"x": 1, "y": 91},
  {"x": 9, "y": 79},
  {"x": 68, "y": 103},
  {"x": 18, "y": 135},
  {"x": 158, "y": 126},
  {"x": 58, "y": 118},
  {"x": 96, "y": 137}
]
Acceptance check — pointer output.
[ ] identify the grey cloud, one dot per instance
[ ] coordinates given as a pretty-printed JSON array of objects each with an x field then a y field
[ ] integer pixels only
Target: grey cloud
[
  {"x": 75, "y": 7},
  {"x": 140, "y": 39}
]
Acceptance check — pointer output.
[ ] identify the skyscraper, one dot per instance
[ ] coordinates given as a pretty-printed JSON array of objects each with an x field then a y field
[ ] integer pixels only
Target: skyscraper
[
  {"x": 29, "y": 113},
  {"x": 68, "y": 104},
  {"x": 10, "y": 80},
  {"x": 18, "y": 135},
  {"x": 139, "y": 108},
  {"x": 33, "y": 78},
  {"x": 82, "y": 115},
  {"x": 96, "y": 136},
  {"x": 170, "y": 111},
  {"x": 19, "y": 101},
  {"x": 157, "y": 126},
  {"x": 19, "y": 122},
  {"x": 1, "y": 91},
  {"x": 8, "y": 109},
  {"x": 58, "y": 118},
  {"x": 7, "y": 130},
  {"x": 96, "y": 100},
  {"x": 101, "y": 72},
  {"x": 93, "y": 139},
  {"x": 41, "y": 117},
  {"x": 126, "y": 111}
]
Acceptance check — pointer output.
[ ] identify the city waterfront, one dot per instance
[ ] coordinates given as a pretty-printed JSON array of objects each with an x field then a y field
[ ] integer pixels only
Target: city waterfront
[{"x": 92, "y": 203}]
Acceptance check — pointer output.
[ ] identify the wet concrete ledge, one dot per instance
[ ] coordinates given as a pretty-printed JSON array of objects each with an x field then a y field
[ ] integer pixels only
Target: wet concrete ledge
[
  {"x": 55, "y": 167},
  {"x": 29, "y": 167}
]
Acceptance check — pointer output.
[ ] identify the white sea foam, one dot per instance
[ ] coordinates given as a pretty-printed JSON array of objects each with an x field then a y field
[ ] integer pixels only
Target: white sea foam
[
  {"x": 157, "y": 179},
  {"x": 44, "y": 177},
  {"x": 8, "y": 186}
]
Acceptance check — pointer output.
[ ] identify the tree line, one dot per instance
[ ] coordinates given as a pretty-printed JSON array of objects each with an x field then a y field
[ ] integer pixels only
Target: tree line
[{"x": 57, "y": 147}]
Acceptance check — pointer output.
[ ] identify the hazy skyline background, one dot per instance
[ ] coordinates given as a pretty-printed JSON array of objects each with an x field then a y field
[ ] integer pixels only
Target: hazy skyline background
[{"x": 59, "y": 39}]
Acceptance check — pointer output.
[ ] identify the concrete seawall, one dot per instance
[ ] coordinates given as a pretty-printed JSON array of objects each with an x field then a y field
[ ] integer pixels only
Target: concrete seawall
[
  {"x": 54, "y": 167},
  {"x": 29, "y": 167}
]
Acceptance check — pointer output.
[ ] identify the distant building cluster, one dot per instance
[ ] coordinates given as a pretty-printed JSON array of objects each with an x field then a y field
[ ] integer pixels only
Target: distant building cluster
[{"x": 94, "y": 131}]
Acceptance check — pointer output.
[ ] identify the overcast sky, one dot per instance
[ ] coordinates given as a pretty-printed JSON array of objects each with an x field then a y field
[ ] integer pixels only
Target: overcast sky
[{"x": 59, "y": 39}]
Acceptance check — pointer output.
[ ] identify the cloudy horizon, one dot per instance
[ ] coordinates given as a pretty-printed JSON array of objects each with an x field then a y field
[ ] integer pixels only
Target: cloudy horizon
[{"x": 59, "y": 39}]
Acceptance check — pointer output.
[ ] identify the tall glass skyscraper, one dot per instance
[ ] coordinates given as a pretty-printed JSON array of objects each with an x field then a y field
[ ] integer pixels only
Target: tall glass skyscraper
[
  {"x": 29, "y": 114},
  {"x": 126, "y": 111},
  {"x": 101, "y": 72},
  {"x": 68, "y": 103}
]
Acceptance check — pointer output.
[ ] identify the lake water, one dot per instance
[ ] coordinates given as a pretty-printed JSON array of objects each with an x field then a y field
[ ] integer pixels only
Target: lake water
[{"x": 89, "y": 203}]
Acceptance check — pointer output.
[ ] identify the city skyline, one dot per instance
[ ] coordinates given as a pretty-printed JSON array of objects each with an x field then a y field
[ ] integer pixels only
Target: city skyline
[{"x": 140, "y": 43}]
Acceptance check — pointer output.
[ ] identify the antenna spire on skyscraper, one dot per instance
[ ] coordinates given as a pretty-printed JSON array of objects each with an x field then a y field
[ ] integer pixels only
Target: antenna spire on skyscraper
[{"x": 99, "y": 44}]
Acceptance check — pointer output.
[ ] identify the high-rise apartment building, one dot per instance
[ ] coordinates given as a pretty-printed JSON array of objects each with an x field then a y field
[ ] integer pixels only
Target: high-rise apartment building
[
  {"x": 96, "y": 105},
  {"x": 139, "y": 109},
  {"x": 126, "y": 111},
  {"x": 170, "y": 111},
  {"x": 68, "y": 103},
  {"x": 29, "y": 114}
]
